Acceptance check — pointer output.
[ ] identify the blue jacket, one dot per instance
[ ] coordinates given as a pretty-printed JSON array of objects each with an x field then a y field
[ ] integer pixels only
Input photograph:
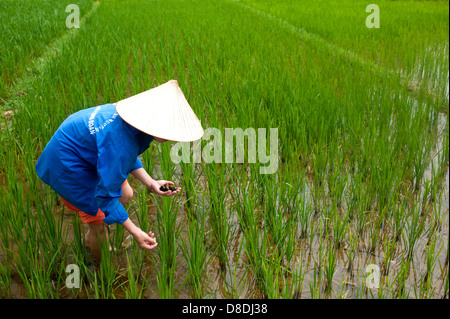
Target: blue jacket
[{"x": 88, "y": 159}]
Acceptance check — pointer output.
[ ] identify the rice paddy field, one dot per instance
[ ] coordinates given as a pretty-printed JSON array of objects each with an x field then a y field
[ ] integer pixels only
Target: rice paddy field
[{"x": 362, "y": 178}]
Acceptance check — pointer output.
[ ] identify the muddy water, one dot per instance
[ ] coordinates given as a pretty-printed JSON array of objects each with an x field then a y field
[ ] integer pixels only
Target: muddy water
[{"x": 238, "y": 281}]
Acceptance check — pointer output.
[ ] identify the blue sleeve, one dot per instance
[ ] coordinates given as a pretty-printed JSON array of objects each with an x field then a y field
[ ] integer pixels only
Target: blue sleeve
[
  {"x": 113, "y": 165},
  {"x": 137, "y": 165}
]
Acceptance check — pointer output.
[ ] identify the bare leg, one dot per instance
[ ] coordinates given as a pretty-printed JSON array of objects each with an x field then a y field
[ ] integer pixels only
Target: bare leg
[
  {"x": 127, "y": 194},
  {"x": 100, "y": 231},
  {"x": 96, "y": 234}
]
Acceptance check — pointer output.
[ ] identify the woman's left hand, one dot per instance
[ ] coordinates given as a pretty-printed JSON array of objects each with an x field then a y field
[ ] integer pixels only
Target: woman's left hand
[{"x": 154, "y": 187}]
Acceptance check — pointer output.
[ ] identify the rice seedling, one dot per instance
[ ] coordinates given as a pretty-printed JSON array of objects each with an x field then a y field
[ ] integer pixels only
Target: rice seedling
[
  {"x": 279, "y": 222},
  {"x": 133, "y": 290},
  {"x": 414, "y": 228},
  {"x": 189, "y": 184},
  {"x": 105, "y": 278},
  {"x": 168, "y": 234},
  {"x": 38, "y": 279},
  {"x": 352, "y": 249},
  {"x": 314, "y": 285},
  {"x": 426, "y": 290},
  {"x": 389, "y": 246},
  {"x": 298, "y": 277},
  {"x": 330, "y": 268},
  {"x": 340, "y": 227},
  {"x": 234, "y": 285},
  {"x": 5, "y": 282},
  {"x": 446, "y": 294},
  {"x": 217, "y": 211},
  {"x": 401, "y": 276},
  {"x": 305, "y": 215},
  {"x": 195, "y": 253}
]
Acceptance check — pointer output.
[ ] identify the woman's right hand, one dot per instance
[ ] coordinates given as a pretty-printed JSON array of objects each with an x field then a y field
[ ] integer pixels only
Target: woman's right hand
[
  {"x": 155, "y": 185},
  {"x": 145, "y": 240}
]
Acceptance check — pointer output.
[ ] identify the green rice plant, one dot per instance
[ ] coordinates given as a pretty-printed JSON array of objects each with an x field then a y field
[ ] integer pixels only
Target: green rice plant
[
  {"x": 189, "y": 185},
  {"x": 314, "y": 285},
  {"x": 298, "y": 278},
  {"x": 352, "y": 248},
  {"x": 446, "y": 281},
  {"x": 389, "y": 246},
  {"x": 165, "y": 163},
  {"x": 305, "y": 215},
  {"x": 255, "y": 242},
  {"x": 273, "y": 285},
  {"x": 195, "y": 253},
  {"x": 413, "y": 231},
  {"x": 401, "y": 277},
  {"x": 275, "y": 216},
  {"x": 142, "y": 212},
  {"x": 15, "y": 206},
  {"x": 245, "y": 203},
  {"x": 375, "y": 228},
  {"x": 29, "y": 285},
  {"x": 78, "y": 245},
  {"x": 51, "y": 238},
  {"x": 398, "y": 219},
  {"x": 5, "y": 281},
  {"x": 149, "y": 158},
  {"x": 320, "y": 163},
  {"x": 218, "y": 211},
  {"x": 342, "y": 294},
  {"x": 337, "y": 184},
  {"x": 443, "y": 155},
  {"x": 426, "y": 289},
  {"x": 322, "y": 241},
  {"x": 234, "y": 285},
  {"x": 425, "y": 196},
  {"x": 291, "y": 201},
  {"x": 340, "y": 226},
  {"x": 385, "y": 290},
  {"x": 105, "y": 278},
  {"x": 420, "y": 163},
  {"x": 330, "y": 268},
  {"x": 168, "y": 234},
  {"x": 133, "y": 290},
  {"x": 361, "y": 204},
  {"x": 5, "y": 244},
  {"x": 257, "y": 245},
  {"x": 360, "y": 289},
  {"x": 38, "y": 278},
  {"x": 165, "y": 281},
  {"x": 384, "y": 172},
  {"x": 117, "y": 237},
  {"x": 291, "y": 242}
]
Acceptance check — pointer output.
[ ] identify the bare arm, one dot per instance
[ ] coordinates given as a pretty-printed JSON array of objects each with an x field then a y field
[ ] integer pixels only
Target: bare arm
[{"x": 144, "y": 240}]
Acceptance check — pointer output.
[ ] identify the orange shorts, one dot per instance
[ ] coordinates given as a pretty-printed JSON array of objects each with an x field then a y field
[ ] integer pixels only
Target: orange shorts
[{"x": 86, "y": 218}]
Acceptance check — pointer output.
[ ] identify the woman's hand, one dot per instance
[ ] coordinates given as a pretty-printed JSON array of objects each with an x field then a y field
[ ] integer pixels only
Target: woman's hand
[
  {"x": 147, "y": 241},
  {"x": 155, "y": 185},
  {"x": 144, "y": 240}
]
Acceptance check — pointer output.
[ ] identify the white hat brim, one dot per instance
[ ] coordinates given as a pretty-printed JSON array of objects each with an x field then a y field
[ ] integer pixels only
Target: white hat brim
[{"x": 162, "y": 112}]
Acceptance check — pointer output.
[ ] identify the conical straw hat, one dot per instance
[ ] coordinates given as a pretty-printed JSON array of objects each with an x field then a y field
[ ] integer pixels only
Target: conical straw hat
[{"x": 162, "y": 112}]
